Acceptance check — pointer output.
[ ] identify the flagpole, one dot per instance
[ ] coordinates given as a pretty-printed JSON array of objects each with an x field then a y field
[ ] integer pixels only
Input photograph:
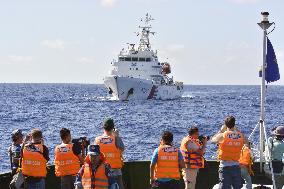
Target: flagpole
[{"x": 264, "y": 25}]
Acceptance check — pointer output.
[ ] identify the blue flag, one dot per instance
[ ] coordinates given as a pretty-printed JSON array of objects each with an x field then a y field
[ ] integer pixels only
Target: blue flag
[{"x": 272, "y": 70}]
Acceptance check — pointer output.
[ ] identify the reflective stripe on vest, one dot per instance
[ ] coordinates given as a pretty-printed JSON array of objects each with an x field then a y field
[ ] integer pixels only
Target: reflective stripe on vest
[
  {"x": 66, "y": 162},
  {"x": 231, "y": 146},
  {"x": 112, "y": 153},
  {"x": 167, "y": 164},
  {"x": 33, "y": 162},
  {"x": 191, "y": 158},
  {"x": 98, "y": 181},
  {"x": 245, "y": 158}
]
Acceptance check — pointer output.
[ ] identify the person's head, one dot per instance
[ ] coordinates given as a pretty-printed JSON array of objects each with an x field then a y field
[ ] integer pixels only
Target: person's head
[
  {"x": 108, "y": 125},
  {"x": 17, "y": 136},
  {"x": 279, "y": 133},
  {"x": 36, "y": 135},
  {"x": 94, "y": 154},
  {"x": 167, "y": 137},
  {"x": 230, "y": 122},
  {"x": 193, "y": 132},
  {"x": 65, "y": 135}
]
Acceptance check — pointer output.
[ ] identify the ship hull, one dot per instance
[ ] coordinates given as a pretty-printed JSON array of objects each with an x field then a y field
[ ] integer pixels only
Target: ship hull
[{"x": 125, "y": 88}]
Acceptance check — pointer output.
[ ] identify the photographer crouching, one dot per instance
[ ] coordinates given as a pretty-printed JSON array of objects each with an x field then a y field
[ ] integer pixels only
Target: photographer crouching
[{"x": 192, "y": 148}]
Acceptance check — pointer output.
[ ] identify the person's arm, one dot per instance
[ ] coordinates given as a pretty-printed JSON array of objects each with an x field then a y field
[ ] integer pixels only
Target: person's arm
[
  {"x": 45, "y": 153},
  {"x": 119, "y": 144},
  {"x": 153, "y": 165},
  {"x": 77, "y": 151},
  {"x": 217, "y": 138},
  {"x": 180, "y": 160}
]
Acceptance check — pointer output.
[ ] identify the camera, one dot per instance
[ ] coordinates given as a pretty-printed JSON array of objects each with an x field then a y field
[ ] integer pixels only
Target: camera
[
  {"x": 82, "y": 141},
  {"x": 202, "y": 137}
]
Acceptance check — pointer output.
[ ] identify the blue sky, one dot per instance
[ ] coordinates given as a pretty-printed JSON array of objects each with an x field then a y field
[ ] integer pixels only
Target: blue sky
[{"x": 206, "y": 42}]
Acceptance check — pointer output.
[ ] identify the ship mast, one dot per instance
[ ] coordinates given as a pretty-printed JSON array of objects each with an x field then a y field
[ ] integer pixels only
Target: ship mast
[
  {"x": 144, "y": 44},
  {"x": 264, "y": 24}
]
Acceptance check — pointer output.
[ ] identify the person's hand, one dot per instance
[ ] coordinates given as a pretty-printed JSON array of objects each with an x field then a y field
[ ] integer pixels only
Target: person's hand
[
  {"x": 27, "y": 138},
  {"x": 204, "y": 140},
  {"x": 151, "y": 181}
]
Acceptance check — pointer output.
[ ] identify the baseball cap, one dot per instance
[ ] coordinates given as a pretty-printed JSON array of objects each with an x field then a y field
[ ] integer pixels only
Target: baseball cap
[
  {"x": 16, "y": 133},
  {"x": 94, "y": 150},
  {"x": 279, "y": 131}
]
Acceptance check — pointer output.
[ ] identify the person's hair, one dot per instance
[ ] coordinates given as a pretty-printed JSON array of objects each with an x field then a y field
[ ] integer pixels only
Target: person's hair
[
  {"x": 64, "y": 133},
  {"x": 192, "y": 130},
  {"x": 108, "y": 124},
  {"x": 36, "y": 134},
  {"x": 167, "y": 137},
  {"x": 230, "y": 122}
]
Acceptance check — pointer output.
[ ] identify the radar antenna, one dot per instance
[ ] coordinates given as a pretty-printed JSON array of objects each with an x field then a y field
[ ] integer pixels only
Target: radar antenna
[{"x": 145, "y": 32}]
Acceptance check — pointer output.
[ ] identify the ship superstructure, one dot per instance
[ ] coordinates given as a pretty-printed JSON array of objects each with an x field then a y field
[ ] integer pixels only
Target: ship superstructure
[{"x": 138, "y": 74}]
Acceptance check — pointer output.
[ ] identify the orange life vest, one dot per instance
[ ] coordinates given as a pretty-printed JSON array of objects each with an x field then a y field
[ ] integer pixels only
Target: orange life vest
[
  {"x": 97, "y": 181},
  {"x": 167, "y": 164},
  {"x": 33, "y": 162},
  {"x": 66, "y": 162},
  {"x": 245, "y": 158},
  {"x": 231, "y": 146},
  {"x": 191, "y": 158},
  {"x": 112, "y": 153}
]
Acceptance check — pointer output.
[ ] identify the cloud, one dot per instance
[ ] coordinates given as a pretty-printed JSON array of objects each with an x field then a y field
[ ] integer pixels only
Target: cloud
[
  {"x": 20, "y": 59},
  {"x": 245, "y": 1},
  {"x": 85, "y": 60},
  {"x": 108, "y": 3},
  {"x": 54, "y": 44}
]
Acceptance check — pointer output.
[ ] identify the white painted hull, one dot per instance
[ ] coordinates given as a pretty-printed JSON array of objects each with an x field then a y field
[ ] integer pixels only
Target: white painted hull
[{"x": 125, "y": 88}]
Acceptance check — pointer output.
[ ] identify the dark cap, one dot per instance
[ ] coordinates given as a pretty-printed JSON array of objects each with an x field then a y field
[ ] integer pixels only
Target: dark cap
[
  {"x": 108, "y": 124},
  {"x": 16, "y": 133},
  {"x": 279, "y": 131},
  {"x": 94, "y": 150}
]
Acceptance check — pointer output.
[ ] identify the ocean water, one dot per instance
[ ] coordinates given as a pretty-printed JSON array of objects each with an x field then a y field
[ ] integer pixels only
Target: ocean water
[{"x": 82, "y": 108}]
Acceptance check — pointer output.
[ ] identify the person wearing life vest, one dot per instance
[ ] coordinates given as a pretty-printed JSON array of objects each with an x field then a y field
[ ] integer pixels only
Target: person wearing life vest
[
  {"x": 192, "y": 150},
  {"x": 35, "y": 155},
  {"x": 95, "y": 173},
  {"x": 230, "y": 145},
  {"x": 67, "y": 160},
  {"x": 15, "y": 150},
  {"x": 276, "y": 149},
  {"x": 166, "y": 163},
  {"x": 112, "y": 147},
  {"x": 246, "y": 161}
]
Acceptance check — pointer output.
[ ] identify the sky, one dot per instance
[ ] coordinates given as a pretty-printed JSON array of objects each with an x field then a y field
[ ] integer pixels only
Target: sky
[{"x": 207, "y": 42}]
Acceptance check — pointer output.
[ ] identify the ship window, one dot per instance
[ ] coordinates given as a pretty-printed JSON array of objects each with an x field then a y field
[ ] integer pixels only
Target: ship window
[
  {"x": 148, "y": 59},
  {"x": 127, "y": 58},
  {"x": 121, "y": 58},
  {"x": 134, "y": 58},
  {"x": 129, "y": 68},
  {"x": 158, "y": 63},
  {"x": 136, "y": 68},
  {"x": 142, "y": 59}
]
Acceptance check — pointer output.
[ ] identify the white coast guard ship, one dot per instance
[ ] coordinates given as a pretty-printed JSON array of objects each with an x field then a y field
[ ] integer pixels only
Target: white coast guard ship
[{"x": 139, "y": 75}]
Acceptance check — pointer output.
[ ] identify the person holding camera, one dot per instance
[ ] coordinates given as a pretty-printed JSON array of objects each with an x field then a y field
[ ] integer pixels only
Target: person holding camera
[
  {"x": 15, "y": 150},
  {"x": 67, "y": 160},
  {"x": 230, "y": 146},
  {"x": 276, "y": 147},
  {"x": 166, "y": 163},
  {"x": 35, "y": 155},
  {"x": 192, "y": 149},
  {"x": 112, "y": 146}
]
